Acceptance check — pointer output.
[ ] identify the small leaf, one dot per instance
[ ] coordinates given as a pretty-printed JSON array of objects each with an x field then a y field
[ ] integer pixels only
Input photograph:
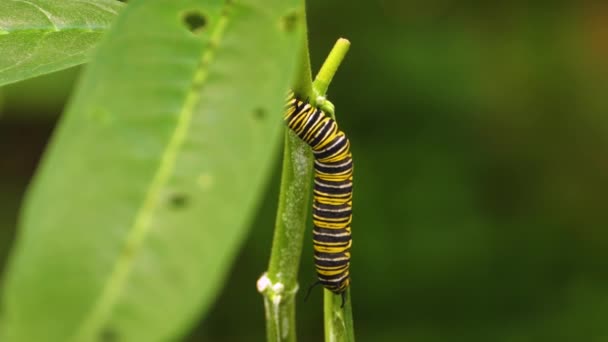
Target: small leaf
[
  {"x": 153, "y": 174},
  {"x": 41, "y": 36}
]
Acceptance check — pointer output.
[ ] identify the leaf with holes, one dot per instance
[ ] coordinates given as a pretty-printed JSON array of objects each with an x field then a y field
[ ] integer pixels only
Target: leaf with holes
[
  {"x": 153, "y": 174},
  {"x": 41, "y": 36}
]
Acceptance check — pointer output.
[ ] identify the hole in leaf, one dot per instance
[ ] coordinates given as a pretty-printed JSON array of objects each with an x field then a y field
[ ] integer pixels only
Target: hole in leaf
[
  {"x": 195, "y": 21},
  {"x": 290, "y": 21},
  {"x": 178, "y": 200},
  {"x": 108, "y": 334},
  {"x": 259, "y": 114}
]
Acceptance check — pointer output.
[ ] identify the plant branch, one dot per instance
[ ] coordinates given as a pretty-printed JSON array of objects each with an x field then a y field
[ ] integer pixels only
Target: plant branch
[
  {"x": 338, "y": 321},
  {"x": 279, "y": 284},
  {"x": 330, "y": 66}
]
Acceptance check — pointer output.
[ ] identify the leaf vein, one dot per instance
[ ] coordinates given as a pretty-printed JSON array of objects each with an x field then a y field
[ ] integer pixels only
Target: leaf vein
[
  {"x": 103, "y": 8},
  {"x": 47, "y": 14}
]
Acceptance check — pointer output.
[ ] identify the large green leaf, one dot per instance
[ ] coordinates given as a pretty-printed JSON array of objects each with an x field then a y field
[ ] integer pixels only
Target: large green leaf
[
  {"x": 154, "y": 173},
  {"x": 42, "y": 36}
]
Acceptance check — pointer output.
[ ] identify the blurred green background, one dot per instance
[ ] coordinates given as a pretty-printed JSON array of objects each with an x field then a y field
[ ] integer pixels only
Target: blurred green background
[{"x": 480, "y": 140}]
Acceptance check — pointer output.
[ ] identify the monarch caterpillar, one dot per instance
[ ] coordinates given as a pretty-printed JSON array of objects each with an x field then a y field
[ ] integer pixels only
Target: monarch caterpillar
[{"x": 332, "y": 203}]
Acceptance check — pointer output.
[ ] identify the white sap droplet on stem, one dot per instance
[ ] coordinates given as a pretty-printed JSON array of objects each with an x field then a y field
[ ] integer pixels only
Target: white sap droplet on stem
[
  {"x": 278, "y": 288},
  {"x": 263, "y": 283}
]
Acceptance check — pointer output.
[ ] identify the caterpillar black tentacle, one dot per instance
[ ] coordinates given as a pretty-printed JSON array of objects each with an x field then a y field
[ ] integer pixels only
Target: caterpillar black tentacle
[{"x": 332, "y": 203}]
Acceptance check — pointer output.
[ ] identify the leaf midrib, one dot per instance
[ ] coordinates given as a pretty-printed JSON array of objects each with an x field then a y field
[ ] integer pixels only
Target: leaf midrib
[
  {"x": 48, "y": 30},
  {"x": 140, "y": 227}
]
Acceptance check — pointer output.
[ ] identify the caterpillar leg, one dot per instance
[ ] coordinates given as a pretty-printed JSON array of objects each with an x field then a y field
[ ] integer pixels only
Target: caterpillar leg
[
  {"x": 312, "y": 286},
  {"x": 318, "y": 282}
]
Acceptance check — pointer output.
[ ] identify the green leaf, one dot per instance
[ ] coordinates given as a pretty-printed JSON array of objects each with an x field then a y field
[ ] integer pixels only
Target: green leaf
[
  {"x": 154, "y": 173},
  {"x": 41, "y": 36}
]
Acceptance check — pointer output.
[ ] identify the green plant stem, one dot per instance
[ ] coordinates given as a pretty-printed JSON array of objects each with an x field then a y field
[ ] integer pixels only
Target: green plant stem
[
  {"x": 330, "y": 66},
  {"x": 279, "y": 284},
  {"x": 338, "y": 321}
]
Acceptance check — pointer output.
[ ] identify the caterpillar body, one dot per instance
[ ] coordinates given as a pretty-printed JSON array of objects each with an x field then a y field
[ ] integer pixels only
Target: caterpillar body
[{"x": 332, "y": 203}]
